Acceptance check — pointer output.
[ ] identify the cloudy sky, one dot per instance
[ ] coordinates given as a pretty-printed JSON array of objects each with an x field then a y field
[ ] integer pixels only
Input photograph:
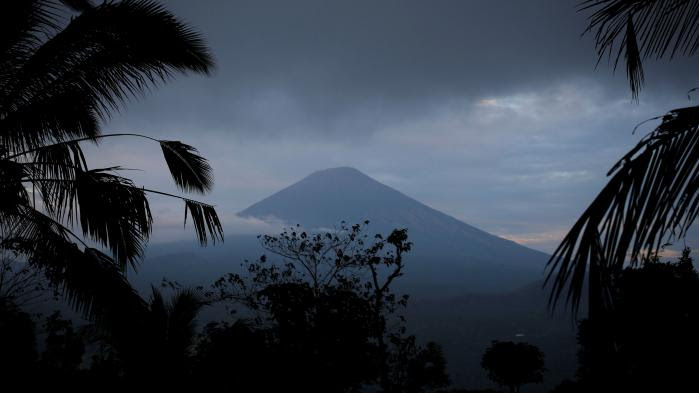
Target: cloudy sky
[{"x": 490, "y": 110}]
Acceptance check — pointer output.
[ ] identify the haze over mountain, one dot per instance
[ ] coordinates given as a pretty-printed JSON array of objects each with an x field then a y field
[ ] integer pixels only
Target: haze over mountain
[{"x": 441, "y": 243}]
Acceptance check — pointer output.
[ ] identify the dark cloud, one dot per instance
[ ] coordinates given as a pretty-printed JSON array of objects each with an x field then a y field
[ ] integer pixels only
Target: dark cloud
[
  {"x": 491, "y": 110},
  {"x": 327, "y": 64}
]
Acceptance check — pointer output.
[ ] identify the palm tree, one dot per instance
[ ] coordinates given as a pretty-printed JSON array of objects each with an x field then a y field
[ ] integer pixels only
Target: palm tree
[
  {"x": 64, "y": 67},
  {"x": 652, "y": 197},
  {"x": 156, "y": 344}
]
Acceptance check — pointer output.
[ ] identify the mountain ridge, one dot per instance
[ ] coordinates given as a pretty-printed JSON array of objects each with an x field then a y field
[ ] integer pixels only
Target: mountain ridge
[{"x": 325, "y": 198}]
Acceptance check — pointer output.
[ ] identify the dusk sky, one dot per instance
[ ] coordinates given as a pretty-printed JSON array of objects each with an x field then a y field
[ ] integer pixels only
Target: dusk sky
[{"x": 490, "y": 110}]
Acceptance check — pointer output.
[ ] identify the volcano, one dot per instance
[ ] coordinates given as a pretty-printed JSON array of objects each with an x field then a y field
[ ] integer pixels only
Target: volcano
[{"x": 446, "y": 251}]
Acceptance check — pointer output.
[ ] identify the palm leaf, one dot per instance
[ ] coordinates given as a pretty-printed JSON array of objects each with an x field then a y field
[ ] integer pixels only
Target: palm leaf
[
  {"x": 60, "y": 165},
  {"x": 183, "y": 311},
  {"x": 95, "y": 286},
  {"x": 113, "y": 212},
  {"x": 205, "y": 219},
  {"x": 12, "y": 192},
  {"x": 78, "y": 5},
  {"x": 110, "y": 209},
  {"x": 651, "y": 199},
  {"x": 190, "y": 171},
  {"x": 103, "y": 56},
  {"x": 642, "y": 29},
  {"x": 22, "y": 25},
  {"x": 58, "y": 79},
  {"x": 90, "y": 280}
]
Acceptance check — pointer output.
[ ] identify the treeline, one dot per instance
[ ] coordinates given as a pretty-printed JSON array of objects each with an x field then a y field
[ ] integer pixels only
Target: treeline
[
  {"x": 320, "y": 314},
  {"x": 324, "y": 319}
]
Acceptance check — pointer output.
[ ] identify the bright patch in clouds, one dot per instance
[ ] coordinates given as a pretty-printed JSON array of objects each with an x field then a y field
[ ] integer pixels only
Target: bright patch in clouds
[{"x": 516, "y": 164}]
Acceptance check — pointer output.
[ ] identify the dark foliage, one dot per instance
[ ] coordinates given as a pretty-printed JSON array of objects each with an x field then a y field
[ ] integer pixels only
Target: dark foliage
[
  {"x": 64, "y": 347},
  {"x": 64, "y": 67},
  {"x": 342, "y": 332},
  {"x": 328, "y": 307},
  {"x": 648, "y": 340},
  {"x": 48, "y": 356},
  {"x": 512, "y": 365},
  {"x": 652, "y": 198},
  {"x": 17, "y": 340}
]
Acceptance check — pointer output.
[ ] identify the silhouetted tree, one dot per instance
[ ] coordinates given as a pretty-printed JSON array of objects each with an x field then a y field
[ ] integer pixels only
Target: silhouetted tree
[
  {"x": 651, "y": 197},
  {"x": 512, "y": 364},
  {"x": 239, "y": 354},
  {"x": 17, "y": 342},
  {"x": 64, "y": 67},
  {"x": 414, "y": 368},
  {"x": 648, "y": 340},
  {"x": 60, "y": 361},
  {"x": 156, "y": 342},
  {"x": 328, "y": 307},
  {"x": 64, "y": 347}
]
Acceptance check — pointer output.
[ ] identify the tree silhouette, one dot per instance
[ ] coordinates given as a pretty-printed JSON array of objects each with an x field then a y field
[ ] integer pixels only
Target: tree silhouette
[
  {"x": 648, "y": 341},
  {"x": 64, "y": 67},
  {"x": 328, "y": 306},
  {"x": 652, "y": 197},
  {"x": 512, "y": 364},
  {"x": 17, "y": 340},
  {"x": 238, "y": 354},
  {"x": 155, "y": 344}
]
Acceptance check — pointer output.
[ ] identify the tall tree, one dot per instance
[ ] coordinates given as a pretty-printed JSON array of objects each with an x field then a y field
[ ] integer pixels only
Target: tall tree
[
  {"x": 652, "y": 197},
  {"x": 157, "y": 347},
  {"x": 329, "y": 306},
  {"x": 64, "y": 67}
]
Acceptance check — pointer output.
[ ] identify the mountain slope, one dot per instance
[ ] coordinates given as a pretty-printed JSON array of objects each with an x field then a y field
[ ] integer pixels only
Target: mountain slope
[{"x": 325, "y": 198}]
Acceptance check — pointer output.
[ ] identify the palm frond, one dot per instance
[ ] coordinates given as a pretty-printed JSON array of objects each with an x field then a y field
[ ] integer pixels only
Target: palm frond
[
  {"x": 59, "y": 78},
  {"x": 90, "y": 280},
  {"x": 190, "y": 171},
  {"x": 113, "y": 212},
  {"x": 22, "y": 25},
  {"x": 95, "y": 286},
  {"x": 47, "y": 120},
  {"x": 634, "y": 64},
  {"x": 12, "y": 191},
  {"x": 643, "y": 29},
  {"x": 183, "y": 311},
  {"x": 157, "y": 313},
  {"x": 205, "y": 219},
  {"x": 110, "y": 209},
  {"x": 105, "y": 55},
  {"x": 58, "y": 160},
  {"x": 652, "y": 198},
  {"x": 78, "y": 5}
]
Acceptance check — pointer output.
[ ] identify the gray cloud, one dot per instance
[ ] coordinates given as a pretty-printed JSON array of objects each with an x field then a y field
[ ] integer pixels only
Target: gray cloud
[{"x": 489, "y": 110}]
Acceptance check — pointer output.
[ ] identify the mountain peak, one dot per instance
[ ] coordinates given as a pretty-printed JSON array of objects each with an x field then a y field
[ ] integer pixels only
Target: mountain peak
[
  {"x": 339, "y": 174},
  {"x": 340, "y": 170},
  {"x": 327, "y": 197}
]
